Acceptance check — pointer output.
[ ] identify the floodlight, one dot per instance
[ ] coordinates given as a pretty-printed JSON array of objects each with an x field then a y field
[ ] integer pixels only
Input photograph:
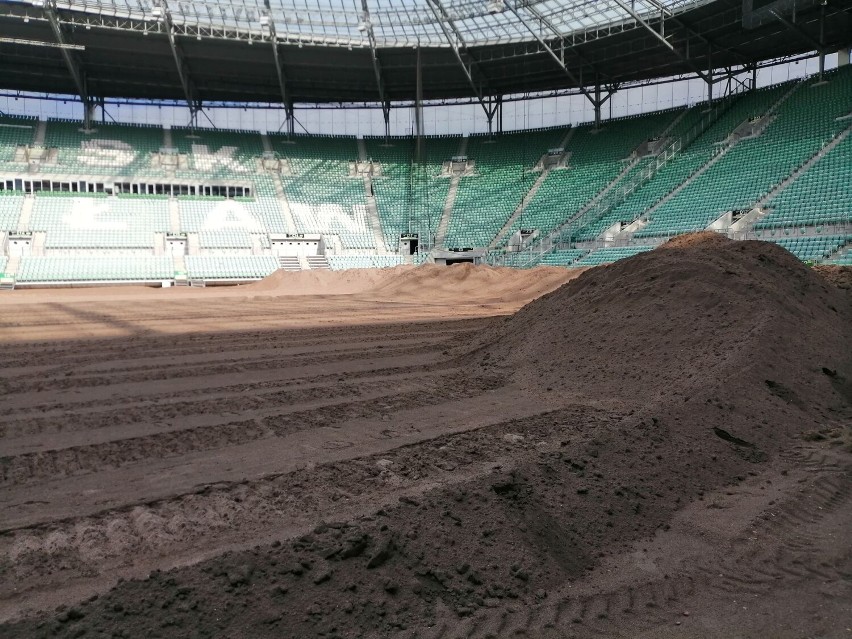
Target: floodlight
[{"x": 496, "y": 6}]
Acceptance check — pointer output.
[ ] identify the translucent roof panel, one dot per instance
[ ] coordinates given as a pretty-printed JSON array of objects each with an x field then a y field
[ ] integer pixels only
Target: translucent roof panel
[{"x": 396, "y": 23}]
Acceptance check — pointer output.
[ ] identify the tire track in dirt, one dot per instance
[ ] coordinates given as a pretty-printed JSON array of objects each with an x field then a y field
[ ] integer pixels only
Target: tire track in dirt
[
  {"x": 148, "y": 374},
  {"x": 71, "y": 355},
  {"x": 377, "y": 400},
  {"x": 214, "y": 516},
  {"x": 787, "y": 544},
  {"x": 87, "y": 415}
]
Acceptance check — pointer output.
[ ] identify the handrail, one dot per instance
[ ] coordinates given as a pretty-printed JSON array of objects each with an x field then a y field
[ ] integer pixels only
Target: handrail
[{"x": 615, "y": 196}]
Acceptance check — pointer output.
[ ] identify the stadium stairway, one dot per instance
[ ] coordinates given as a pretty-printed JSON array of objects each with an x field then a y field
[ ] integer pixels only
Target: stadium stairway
[
  {"x": 373, "y": 220},
  {"x": 318, "y": 262},
  {"x": 289, "y": 263},
  {"x": 26, "y": 212},
  {"x": 174, "y": 216},
  {"x": 286, "y": 213},
  {"x": 444, "y": 224},
  {"x": 501, "y": 234}
]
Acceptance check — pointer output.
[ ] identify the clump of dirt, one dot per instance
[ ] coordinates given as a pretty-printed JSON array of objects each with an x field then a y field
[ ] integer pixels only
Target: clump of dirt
[{"x": 840, "y": 276}]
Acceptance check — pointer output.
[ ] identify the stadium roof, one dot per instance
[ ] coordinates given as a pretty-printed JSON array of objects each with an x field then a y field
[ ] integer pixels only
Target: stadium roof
[{"x": 370, "y": 50}]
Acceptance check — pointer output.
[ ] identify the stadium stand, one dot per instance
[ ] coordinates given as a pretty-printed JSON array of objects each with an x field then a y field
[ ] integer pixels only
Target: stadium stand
[
  {"x": 217, "y": 153},
  {"x": 108, "y": 149},
  {"x": 343, "y": 262},
  {"x": 218, "y": 214},
  {"x": 66, "y": 268},
  {"x": 10, "y": 210},
  {"x": 813, "y": 248},
  {"x": 610, "y": 254},
  {"x": 15, "y": 131},
  {"x": 565, "y": 257},
  {"x": 410, "y": 195},
  {"x": 230, "y": 267},
  {"x": 797, "y": 168},
  {"x": 99, "y": 221},
  {"x": 804, "y": 123},
  {"x": 503, "y": 176},
  {"x": 598, "y": 157},
  {"x": 322, "y": 196},
  {"x": 822, "y": 195}
]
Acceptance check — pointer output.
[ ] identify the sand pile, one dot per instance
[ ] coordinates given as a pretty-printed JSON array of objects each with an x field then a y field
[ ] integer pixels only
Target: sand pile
[
  {"x": 466, "y": 281},
  {"x": 322, "y": 282}
]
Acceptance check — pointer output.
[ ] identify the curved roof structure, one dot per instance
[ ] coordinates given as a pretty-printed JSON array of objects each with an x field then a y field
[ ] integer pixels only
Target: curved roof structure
[
  {"x": 374, "y": 50},
  {"x": 392, "y": 23}
]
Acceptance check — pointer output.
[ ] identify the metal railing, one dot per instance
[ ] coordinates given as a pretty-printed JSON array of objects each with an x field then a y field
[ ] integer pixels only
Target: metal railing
[{"x": 565, "y": 234}]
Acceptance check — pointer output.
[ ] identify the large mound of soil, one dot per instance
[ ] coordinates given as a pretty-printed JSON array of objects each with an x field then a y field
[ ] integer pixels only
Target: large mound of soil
[{"x": 737, "y": 331}]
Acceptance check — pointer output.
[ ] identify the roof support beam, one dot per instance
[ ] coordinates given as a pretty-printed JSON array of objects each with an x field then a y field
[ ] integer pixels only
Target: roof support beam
[
  {"x": 543, "y": 20},
  {"x": 71, "y": 62},
  {"x": 707, "y": 78},
  {"x": 377, "y": 67},
  {"x": 180, "y": 62},
  {"x": 269, "y": 23},
  {"x": 442, "y": 18},
  {"x": 807, "y": 37},
  {"x": 553, "y": 55},
  {"x": 665, "y": 11}
]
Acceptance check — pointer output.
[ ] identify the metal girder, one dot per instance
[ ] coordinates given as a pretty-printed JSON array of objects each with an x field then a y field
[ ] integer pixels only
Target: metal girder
[
  {"x": 543, "y": 20},
  {"x": 279, "y": 69},
  {"x": 377, "y": 67},
  {"x": 708, "y": 79},
  {"x": 692, "y": 32},
  {"x": 553, "y": 55},
  {"x": 442, "y": 17},
  {"x": 70, "y": 61},
  {"x": 180, "y": 62},
  {"x": 795, "y": 28}
]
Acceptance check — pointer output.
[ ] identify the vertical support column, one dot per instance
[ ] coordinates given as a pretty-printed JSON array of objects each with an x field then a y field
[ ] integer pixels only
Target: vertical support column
[
  {"x": 88, "y": 114},
  {"x": 418, "y": 113},
  {"x": 597, "y": 103},
  {"x": 843, "y": 57},
  {"x": 289, "y": 119},
  {"x": 499, "y": 114},
  {"x": 386, "y": 114},
  {"x": 821, "y": 41},
  {"x": 709, "y": 76},
  {"x": 754, "y": 77}
]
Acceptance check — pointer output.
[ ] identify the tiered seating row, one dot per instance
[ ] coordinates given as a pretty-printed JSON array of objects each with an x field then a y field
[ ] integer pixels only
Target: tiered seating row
[
  {"x": 230, "y": 267},
  {"x": 813, "y": 248},
  {"x": 343, "y": 262},
  {"x": 10, "y": 211},
  {"x": 99, "y": 222},
  {"x": 610, "y": 254},
  {"x": 89, "y": 269},
  {"x": 803, "y": 124}
]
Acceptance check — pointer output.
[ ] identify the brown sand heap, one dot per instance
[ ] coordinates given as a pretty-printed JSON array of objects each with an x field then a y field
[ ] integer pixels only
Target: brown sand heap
[
  {"x": 739, "y": 328},
  {"x": 467, "y": 281},
  {"x": 322, "y": 282}
]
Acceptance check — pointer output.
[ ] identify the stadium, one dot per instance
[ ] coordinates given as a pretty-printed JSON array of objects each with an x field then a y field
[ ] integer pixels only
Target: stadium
[{"x": 427, "y": 318}]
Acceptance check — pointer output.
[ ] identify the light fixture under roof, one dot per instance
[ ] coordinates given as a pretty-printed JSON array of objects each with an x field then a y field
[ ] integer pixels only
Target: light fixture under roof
[{"x": 495, "y": 6}]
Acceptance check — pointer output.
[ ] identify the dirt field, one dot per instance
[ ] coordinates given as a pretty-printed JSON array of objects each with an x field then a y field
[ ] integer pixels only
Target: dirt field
[{"x": 659, "y": 448}]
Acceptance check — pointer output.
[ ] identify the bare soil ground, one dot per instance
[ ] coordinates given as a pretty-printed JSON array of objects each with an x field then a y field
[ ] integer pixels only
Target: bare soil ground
[{"x": 659, "y": 448}]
